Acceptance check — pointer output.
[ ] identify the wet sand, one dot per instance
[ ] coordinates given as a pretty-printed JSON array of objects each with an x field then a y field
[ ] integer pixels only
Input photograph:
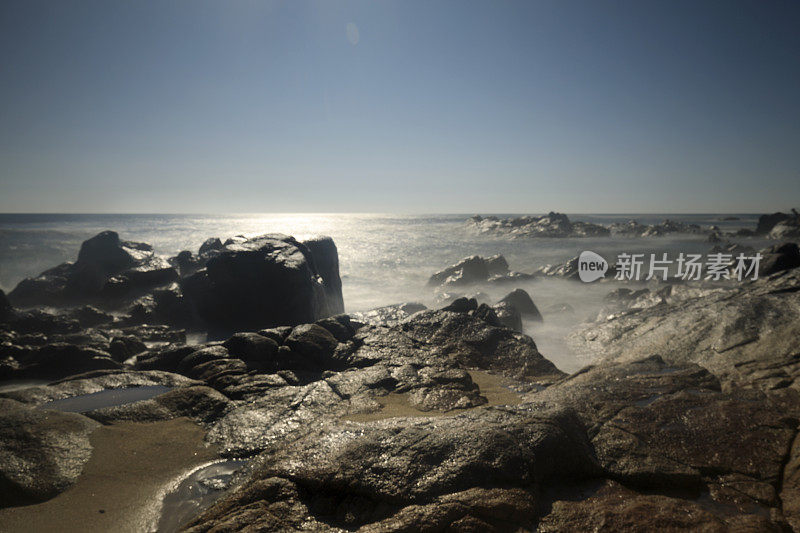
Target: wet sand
[
  {"x": 122, "y": 484},
  {"x": 492, "y": 387}
]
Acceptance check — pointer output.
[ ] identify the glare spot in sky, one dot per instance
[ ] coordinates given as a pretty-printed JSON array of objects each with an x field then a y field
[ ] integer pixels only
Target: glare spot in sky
[{"x": 352, "y": 33}]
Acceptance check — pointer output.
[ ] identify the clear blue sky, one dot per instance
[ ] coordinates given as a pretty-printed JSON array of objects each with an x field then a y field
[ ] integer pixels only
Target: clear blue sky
[{"x": 405, "y": 106}]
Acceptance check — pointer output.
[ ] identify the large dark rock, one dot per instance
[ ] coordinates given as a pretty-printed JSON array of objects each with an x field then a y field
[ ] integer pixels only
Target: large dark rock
[
  {"x": 58, "y": 360},
  {"x": 767, "y": 222},
  {"x": 472, "y": 342},
  {"x": 262, "y": 282},
  {"x": 42, "y": 452},
  {"x": 326, "y": 262},
  {"x": 522, "y": 302},
  {"x": 107, "y": 271},
  {"x": 779, "y": 257},
  {"x": 479, "y": 468},
  {"x": 469, "y": 270},
  {"x": 6, "y": 311}
]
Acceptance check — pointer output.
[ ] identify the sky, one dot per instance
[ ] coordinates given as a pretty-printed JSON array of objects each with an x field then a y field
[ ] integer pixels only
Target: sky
[{"x": 596, "y": 106}]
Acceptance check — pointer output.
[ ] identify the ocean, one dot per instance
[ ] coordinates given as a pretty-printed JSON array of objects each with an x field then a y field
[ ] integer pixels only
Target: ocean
[{"x": 384, "y": 259}]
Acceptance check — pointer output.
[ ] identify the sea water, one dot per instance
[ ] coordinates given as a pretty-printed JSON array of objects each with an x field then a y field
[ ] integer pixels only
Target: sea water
[{"x": 384, "y": 259}]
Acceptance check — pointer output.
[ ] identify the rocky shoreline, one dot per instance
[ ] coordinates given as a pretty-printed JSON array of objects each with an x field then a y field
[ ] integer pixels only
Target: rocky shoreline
[
  {"x": 558, "y": 225},
  {"x": 406, "y": 418}
]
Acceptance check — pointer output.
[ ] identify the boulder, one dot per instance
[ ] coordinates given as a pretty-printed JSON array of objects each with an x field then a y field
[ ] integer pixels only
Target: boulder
[
  {"x": 125, "y": 346},
  {"x": 58, "y": 360},
  {"x": 522, "y": 302},
  {"x": 326, "y": 263},
  {"x": 779, "y": 257},
  {"x": 469, "y": 270},
  {"x": 767, "y": 222},
  {"x": 262, "y": 282},
  {"x": 6, "y": 311},
  {"x": 107, "y": 271},
  {"x": 42, "y": 453},
  {"x": 508, "y": 316}
]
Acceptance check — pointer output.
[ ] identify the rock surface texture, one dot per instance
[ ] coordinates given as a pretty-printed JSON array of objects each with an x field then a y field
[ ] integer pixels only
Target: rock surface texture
[{"x": 415, "y": 419}]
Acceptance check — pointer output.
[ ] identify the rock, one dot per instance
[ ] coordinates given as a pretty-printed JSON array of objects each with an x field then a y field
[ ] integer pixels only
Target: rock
[
  {"x": 736, "y": 331},
  {"x": 497, "y": 265},
  {"x": 88, "y": 316},
  {"x": 487, "y": 314},
  {"x": 390, "y": 314},
  {"x": 6, "y": 311},
  {"x": 339, "y": 326},
  {"x": 767, "y": 222},
  {"x": 462, "y": 305},
  {"x": 58, "y": 360},
  {"x": 471, "y": 342},
  {"x": 107, "y": 271},
  {"x": 260, "y": 283},
  {"x": 210, "y": 245},
  {"x": 257, "y": 350},
  {"x": 42, "y": 453},
  {"x": 326, "y": 261},
  {"x": 469, "y": 270},
  {"x": 522, "y": 302},
  {"x": 414, "y": 473},
  {"x": 508, "y": 316},
  {"x": 612, "y": 507},
  {"x": 202, "y": 404},
  {"x": 779, "y": 257},
  {"x": 789, "y": 229},
  {"x": 550, "y": 225},
  {"x": 314, "y": 343},
  {"x": 125, "y": 347}
]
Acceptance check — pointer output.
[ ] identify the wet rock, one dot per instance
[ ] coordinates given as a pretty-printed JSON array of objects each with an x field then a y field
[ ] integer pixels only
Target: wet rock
[
  {"x": 108, "y": 270},
  {"x": 497, "y": 265},
  {"x": 6, "y": 311},
  {"x": 471, "y": 342},
  {"x": 779, "y": 257},
  {"x": 550, "y": 225},
  {"x": 167, "y": 358},
  {"x": 789, "y": 229},
  {"x": 339, "y": 326},
  {"x": 613, "y": 507},
  {"x": 388, "y": 315},
  {"x": 508, "y": 316},
  {"x": 88, "y": 316},
  {"x": 125, "y": 347},
  {"x": 522, "y": 302},
  {"x": 462, "y": 305},
  {"x": 212, "y": 244},
  {"x": 251, "y": 347},
  {"x": 469, "y": 270},
  {"x": 314, "y": 343},
  {"x": 278, "y": 334},
  {"x": 674, "y": 441},
  {"x": 202, "y": 404},
  {"x": 58, "y": 360},
  {"x": 354, "y": 474},
  {"x": 767, "y": 222},
  {"x": 724, "y": 329},
  {"x": 326, "y": 262},
  {"x": 260, "y": 283},
  {"x": 97, "y": 381},
  {"x": 42, "y": 453}
]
